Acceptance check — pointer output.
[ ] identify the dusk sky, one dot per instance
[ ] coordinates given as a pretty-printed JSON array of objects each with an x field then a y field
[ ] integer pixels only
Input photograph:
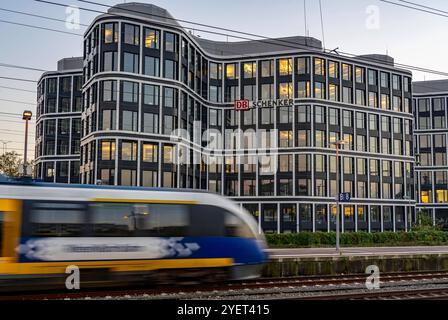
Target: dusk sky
[{"x": 411, "y": 37}]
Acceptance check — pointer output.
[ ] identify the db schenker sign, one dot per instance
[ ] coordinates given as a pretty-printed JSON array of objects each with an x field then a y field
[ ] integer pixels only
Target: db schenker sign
[{"x": 242, "y": 105}]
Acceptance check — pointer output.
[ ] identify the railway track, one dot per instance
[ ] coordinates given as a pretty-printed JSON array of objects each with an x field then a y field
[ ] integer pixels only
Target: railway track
[{"x": 248, "y": 288}]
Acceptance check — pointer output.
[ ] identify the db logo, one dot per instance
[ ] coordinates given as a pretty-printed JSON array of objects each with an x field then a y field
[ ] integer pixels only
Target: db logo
[{"x": 241, "y": 105}]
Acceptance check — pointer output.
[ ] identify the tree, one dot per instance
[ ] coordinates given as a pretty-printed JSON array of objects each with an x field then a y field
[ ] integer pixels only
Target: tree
[{"x": 9, "y": 164}]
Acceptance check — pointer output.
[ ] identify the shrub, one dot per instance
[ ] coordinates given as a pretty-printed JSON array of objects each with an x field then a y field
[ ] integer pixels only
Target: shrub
[{"x": 361, "y": 238}]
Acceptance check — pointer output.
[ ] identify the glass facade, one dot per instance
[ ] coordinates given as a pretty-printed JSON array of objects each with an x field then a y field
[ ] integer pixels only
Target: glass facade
[{"x": 158, "y": 110}]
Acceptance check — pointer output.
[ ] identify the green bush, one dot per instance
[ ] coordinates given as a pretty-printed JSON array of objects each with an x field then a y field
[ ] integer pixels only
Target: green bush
[{"x": 362, "y": 238}]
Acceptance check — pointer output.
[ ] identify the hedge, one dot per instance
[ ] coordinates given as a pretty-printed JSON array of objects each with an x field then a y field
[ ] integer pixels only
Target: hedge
[{"x": 323, "y": 239}]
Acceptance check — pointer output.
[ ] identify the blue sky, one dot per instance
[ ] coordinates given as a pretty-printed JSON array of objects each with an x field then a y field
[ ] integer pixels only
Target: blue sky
[{"x": 411, "y": 37}]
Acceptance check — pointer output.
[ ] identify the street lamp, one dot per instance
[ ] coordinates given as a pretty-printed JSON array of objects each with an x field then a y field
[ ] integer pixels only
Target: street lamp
[
  {"x": 337, "y": 144},
  {"x": 27, "y": 117}
]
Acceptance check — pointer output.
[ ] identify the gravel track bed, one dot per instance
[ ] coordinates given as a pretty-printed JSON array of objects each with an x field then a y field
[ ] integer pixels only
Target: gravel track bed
[{"x": 284, "y": 292}]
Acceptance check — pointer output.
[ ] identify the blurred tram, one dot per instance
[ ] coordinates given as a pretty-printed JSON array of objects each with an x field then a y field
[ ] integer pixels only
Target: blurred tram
[{"x": 123, "y": 234}]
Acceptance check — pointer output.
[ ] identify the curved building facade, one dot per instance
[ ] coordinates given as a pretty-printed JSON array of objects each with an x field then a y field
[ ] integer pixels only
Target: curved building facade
[
  {"x": 255, "y": 121},
  {"x": 58, "y": 126}
]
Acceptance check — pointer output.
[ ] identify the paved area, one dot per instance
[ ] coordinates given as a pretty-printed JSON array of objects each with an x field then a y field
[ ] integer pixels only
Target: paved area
[{"x": 355, "y": 251}]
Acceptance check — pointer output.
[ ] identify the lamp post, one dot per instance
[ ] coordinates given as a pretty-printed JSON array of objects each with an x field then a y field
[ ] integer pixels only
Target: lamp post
[
  {"x": 27, "y": 117},
  {"x": 337, "y": 144}
]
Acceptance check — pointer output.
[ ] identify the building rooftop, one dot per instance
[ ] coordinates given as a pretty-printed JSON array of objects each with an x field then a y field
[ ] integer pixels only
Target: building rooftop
[
  {"x": 220, "y": 48},
  {"x": 74, "y": 63},
  {"x": 432, "y": 86}
]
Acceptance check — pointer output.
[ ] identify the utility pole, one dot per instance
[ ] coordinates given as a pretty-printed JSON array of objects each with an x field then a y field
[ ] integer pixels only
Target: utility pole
[
  {"x": 337, "y": 144},
  {"x": 5, "y": 145},
  {"x": 27, "y": 117}
]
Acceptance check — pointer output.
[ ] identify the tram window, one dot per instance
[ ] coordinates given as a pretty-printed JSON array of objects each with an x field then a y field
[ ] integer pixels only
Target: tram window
[
  {"x": 55, "y": 219},
  {"x": 162, "y": 220},
  {"x": 140, "y": 220},
  {"x": 112, "y": 219},
  {"x": 235, "y": 227}
]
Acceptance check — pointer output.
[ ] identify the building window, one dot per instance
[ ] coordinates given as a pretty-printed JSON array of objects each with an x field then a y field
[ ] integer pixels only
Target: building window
[
  {"x": 347, "y": 94},
  {"x": 346, "y": 72},
  {"x": 168, "y": 154},
  {"x": 149, "y": 178},
  {"x": 384, "y": 80},
  {"x": 285, "y": 67},
  {"x": 131, "y": 34},
  {"x": 152, "y": 66},
  {"x": 109, "y": 120},
  {"x": 130, "y": 91},
  {"x": 170, "y": 69},
  {"x": 151, "y": 94},
  {"x": 267, "y": 91},
  {"x": 130, "y": 120},
  {"x": 250, "y": 70},
  {"x": 111, "y": 32},
  {"x": 130, "y": 63},
  {"x": 303, "y": 65},
  {"x": 360, "y": 97},
  {"x": 319, "y": 90},
  {"x": 231, "y": 71},
  {"x": 168, "y": 97},
  {"x": 285, "y": 90},
  {"x": 304, "y": 89},
  {"x": 129, "y": 151},
  {"x": 333, "y": 69},
  {"x": 285, "y": 138},
  {"x": 333, "y": 92},
  {"x": 128, "y": 177},
  {"x": 267, "y": 68},
  {"x": 170, "y": 42},
  {"x": 150, "y": 152},
  {"x": 319, "y": 66},
  {"x": 150, "y": 123},
  {"x": 152, "y": 38},
  {"x": 110, "y": 62},
  {"x": 373, "y": 77},
  {"x": 359, "y": 75},
  {"x": 110, "y": 90},
  {"x": 107, "y": 150}
]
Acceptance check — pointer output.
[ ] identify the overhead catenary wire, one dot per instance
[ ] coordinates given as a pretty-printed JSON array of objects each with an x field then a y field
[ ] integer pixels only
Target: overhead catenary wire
[
  {"x": 433, "y": 11},
  {"x": 41, "y": 28},
  {"x": 18, "y": 89},
  {"x": 18, "y": 79}
]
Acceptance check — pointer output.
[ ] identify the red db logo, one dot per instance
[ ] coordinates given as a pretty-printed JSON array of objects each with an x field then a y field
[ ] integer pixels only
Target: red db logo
[{"x": 241, "y": 105}]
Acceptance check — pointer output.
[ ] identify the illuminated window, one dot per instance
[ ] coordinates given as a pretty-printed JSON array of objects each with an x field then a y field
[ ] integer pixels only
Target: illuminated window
[
  {"x": 373, "y": 99},
  {"x": 285, "y": 138},
  {"x": 168, "y": 154},
  {"x": 107, "y": 150},
  {"x": 250, "y": 70},
  {"x": 319, "y": 66},
  {"x": 152, "y": 38},
  {"x": 150, "y": 152},
  {"x": 346, "y": 72},
  {"x": 231, "y": 71},
  {"x": 333, "y": 92},
  {"x": 129, "y": 151},
  {"x": 349, "y": 213},
  {"x": 285, "y": 67},
  {"x": 385, "y": 101},
  {"x": 425, "y": 196},
  {"x": 441, "y": 195},
  {"x": 285, "y": 90},
  {"x": 333, "y": 69},
  {"x": 110, "y": 32}
]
